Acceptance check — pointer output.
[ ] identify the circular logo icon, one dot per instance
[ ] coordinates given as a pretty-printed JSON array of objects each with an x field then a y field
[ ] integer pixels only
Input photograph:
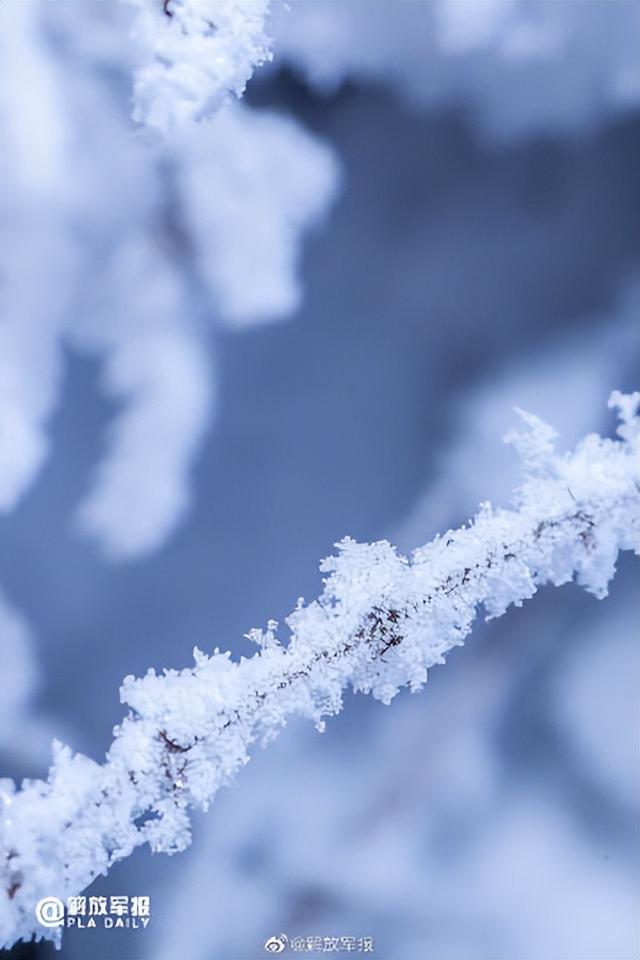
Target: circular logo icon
[
  {"x": 50, "y": 912},
  {"x": 276, "y": 944}
]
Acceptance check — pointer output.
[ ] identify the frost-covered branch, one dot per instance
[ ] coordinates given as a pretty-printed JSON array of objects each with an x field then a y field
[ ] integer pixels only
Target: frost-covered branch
[
  {"x": 197, "y": 54},
  {"x": 380, "y": 623}
]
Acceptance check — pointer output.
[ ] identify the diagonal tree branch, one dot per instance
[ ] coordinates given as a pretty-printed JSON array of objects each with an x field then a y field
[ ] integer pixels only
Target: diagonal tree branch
[{"x": 380, "y": 623}]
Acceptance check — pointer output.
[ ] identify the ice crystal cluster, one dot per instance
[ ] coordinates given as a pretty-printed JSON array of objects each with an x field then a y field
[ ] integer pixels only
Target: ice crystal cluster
[
  {"x": 380, "y": 623},
  {"x": 197, "y": 55}
]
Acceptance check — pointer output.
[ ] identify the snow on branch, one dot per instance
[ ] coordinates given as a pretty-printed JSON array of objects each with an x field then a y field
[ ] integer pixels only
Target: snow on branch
[
  {"x": 170, "y": 233},
  {"x": 381, "y": 622},
  {"x": 197, "y": 54}
]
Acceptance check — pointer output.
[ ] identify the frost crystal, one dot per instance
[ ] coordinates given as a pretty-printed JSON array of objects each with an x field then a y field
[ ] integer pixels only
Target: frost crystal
[
  {"x": 198, "y": 54},
  {"x": 380, "y": 623}
]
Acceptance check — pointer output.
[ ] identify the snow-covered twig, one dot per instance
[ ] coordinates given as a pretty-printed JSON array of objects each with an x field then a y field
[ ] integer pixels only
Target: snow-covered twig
[
  {"x": 380, "y": 623},
  {"x": 196, "y": 55}
]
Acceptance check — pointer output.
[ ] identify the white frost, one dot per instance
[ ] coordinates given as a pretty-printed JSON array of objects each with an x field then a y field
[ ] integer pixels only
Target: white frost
[
  {"x": 135, "y": 252},
  {"x": 381, "y": 622},
  {"x": 196, "y": 55}
]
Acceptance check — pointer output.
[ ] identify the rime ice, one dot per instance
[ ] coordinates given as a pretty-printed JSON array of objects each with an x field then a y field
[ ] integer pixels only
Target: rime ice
[
  {"x": 380, "y": 623},
  {"x": 197, "y": 55}
]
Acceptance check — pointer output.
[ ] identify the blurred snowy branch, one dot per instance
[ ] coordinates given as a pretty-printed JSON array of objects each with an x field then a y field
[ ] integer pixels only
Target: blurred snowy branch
[
  {"x": 520, "y": 66},
  {"x": 380, "y": 623},
  {"x": 19, "y": 677},
  {"x": 135, "y": 251}
]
